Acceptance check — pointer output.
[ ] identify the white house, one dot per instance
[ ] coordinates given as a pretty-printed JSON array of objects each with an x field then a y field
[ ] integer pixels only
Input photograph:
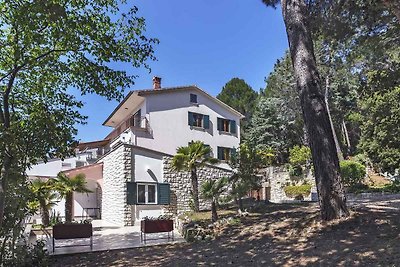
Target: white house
[
  {"x": 163, "y": 119},
  {"x": 148, "y": 126}
]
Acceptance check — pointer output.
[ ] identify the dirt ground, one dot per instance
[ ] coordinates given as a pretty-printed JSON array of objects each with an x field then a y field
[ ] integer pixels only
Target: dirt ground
[{"x": 278, "y": 235}]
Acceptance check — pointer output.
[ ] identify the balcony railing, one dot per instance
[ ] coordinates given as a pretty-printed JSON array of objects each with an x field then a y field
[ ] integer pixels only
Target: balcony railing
[{"x": 136, "y": 123}]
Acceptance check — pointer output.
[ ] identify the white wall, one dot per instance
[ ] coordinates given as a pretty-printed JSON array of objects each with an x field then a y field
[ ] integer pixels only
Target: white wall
[
  {"x": 168, "y": 118},
  {"x": 148, "y": 167},
  {"x": 54, "y": 166}
]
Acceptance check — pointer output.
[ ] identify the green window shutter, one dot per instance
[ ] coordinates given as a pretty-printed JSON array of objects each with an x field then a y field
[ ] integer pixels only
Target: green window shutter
[
  {"x": 233, "y": 152},
  {"x": 206, "y": 121},
  {"x": 219, "y": 124},
  {"x": 131, "y": 193},
  {"x": 220, "y": 153},
  {"x": 190, "y": 118},
  {"x": 233, "y": 127},
  {"x": 164, "y": 194}
]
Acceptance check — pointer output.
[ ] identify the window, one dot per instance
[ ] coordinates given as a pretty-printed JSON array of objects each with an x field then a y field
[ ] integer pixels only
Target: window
[
  {"x": 225, "y": 153},
  {"x": 193, "y": 98},
  {"x": 146, "y": 193},
  {"x": 228, "y": 126},
  {"x": 136, "y": 119},
  {"x": 199, "y": 120}
]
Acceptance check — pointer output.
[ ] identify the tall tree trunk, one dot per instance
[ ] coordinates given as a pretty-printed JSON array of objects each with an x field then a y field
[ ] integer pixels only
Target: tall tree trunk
[
  {"x": 4, "y": 176},
  {"x": 214, "y": 214},
  {"x": 44, "y": 212},
  {"x": 332, "y": 199},
  {"x": 2, "y": 199},
  {"x": 195, "y": 189},
  {"x": 346, "y": 136},
  {"x": 69, "y": 207},
  {"x": 337, "y": 145}
]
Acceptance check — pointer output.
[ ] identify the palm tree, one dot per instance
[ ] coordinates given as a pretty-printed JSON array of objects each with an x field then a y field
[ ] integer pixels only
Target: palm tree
[
  {"x": 211, "y": 190},
  {"x": 66, "y": 187},
  {"x": 45, "y": 197},
  {"x": 190, "y": 158}
]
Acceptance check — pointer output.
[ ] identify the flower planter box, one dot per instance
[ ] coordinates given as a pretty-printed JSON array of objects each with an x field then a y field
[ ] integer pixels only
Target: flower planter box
[
  {"x": 156, "y": 226},
  {"x": 73, "y": 231}
]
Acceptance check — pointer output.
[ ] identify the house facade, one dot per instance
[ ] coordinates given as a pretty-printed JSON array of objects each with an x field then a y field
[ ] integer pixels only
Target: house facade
[
  {"x": 137, "y": 179},
  {"x": 148, "y": 127},
  {"x": 166, "y": 118}
]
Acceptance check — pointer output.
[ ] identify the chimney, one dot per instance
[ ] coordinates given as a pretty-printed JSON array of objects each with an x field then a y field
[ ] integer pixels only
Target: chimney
[{"x": 156, "y": 83}]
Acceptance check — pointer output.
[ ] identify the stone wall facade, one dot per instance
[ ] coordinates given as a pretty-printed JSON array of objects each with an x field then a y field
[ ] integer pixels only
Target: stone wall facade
[
  {"x": 117, "y": 170},
  {"x": 278, "y": 177},
  {"x": 181, "y": 186}
]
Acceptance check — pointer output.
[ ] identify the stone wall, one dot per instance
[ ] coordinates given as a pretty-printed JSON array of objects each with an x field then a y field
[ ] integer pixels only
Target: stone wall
[
  {"x": 278, "y": 178},
  {"x": 117, "y": 170},
  {"x": 181, "y": 186}
]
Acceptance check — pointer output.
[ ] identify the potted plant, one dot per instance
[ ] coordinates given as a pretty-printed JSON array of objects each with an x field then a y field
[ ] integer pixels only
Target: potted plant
[
  {"x": 156, "y": 225},
  {"x": 73, "y": 231}
]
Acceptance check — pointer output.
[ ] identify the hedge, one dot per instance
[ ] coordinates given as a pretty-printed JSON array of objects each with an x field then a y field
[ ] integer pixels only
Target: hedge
[{"x": 297, "y": 190}]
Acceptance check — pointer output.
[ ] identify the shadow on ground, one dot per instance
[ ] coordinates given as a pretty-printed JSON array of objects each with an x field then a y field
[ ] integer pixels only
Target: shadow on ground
[{"x": 275, "y": 235}]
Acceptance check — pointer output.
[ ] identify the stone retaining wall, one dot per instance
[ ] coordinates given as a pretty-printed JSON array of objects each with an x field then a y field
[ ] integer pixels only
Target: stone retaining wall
[
  {"x": 278, "y": 178},
  {"x": 181, "y": 186}
]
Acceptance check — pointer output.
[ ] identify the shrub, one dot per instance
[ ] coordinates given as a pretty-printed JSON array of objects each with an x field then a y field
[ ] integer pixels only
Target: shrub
[
  {"x": 299, "y": 155},
  {"x": 352, "y": 172},
  {"x": 299, "y": 159},
  {"x": 295, "y": 170},
  {"x": 393, "y": 187},
  {"x": 297, "y": 191}
]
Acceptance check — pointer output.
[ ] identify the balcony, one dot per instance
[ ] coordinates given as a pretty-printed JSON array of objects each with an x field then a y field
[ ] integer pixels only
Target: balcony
[{"x": 135, "y": 123}]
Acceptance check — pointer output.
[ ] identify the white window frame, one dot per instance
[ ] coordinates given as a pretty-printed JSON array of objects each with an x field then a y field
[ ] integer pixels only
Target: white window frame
[{"x": 146, "y": 194}]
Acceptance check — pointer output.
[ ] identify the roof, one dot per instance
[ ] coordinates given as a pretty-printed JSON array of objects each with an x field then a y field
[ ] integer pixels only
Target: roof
[
  {"x": 145, "y": 92},
  {"x": 91, "y": 171}
]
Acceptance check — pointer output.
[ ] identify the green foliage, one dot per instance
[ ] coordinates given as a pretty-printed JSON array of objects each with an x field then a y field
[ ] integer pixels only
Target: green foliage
[
  {"x": 393, "y": 188},
  {"x": 27, "y": 255},
  {"x": 298, "y": 191},
  {"x": 52, "y": 52},
  {"x": 352, "y": 172},
  {"x": 300, "y": 155},
  {"x": 361, "y": 158},
  {"x": 239, "y": 95},
  {"x": 299, "y": 160},
  {"x": 245, "y": 165},
  {"x": 66, "y": 186},
  {"x": 295, "y": 170},
  {"x": 15, "y": 213},
  {"x": 212, "y": 189},
  {"x": 55, "y": 218},
  {"x": 45, "y": 198},
  {"x": 272, "y": 128},
  {"x": 195, "y": 155},
  {"x": 190, "y": 158},
  {"x": 380, "y": 130}
]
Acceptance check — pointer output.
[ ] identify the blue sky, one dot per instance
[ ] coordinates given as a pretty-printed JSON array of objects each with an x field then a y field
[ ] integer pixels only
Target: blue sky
[{"x": 203, "y": 42}]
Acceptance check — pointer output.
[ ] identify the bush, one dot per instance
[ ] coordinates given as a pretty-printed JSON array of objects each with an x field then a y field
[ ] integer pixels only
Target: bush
[
  {"x": 299, "y": 155},
  {"x": 295, "y": 170},
  {"x": 299, "y": 159},
  {"x": 297, "y": 191},
  {"x": 352, "y": 172},
  {"x": 393, "y": 187}
]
